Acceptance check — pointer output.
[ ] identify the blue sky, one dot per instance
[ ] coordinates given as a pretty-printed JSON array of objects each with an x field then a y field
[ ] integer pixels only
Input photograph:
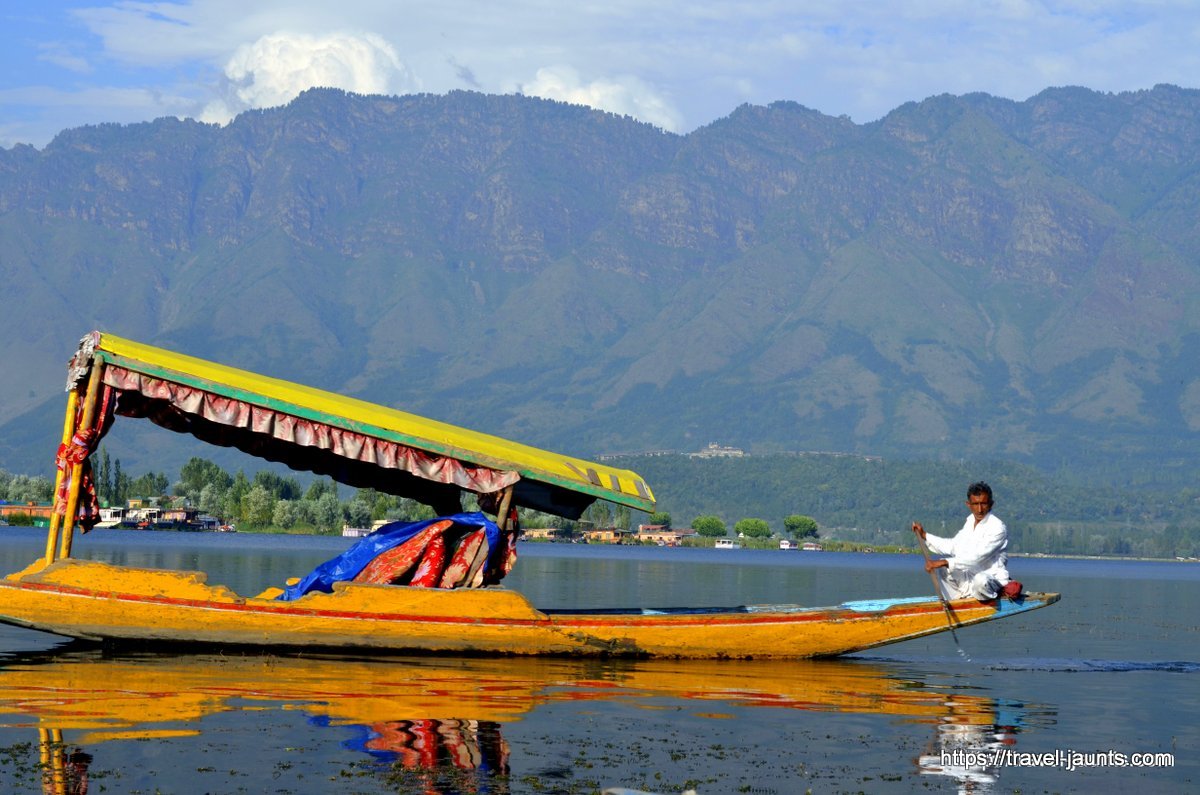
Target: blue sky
[{"x": 679, "y": 64}]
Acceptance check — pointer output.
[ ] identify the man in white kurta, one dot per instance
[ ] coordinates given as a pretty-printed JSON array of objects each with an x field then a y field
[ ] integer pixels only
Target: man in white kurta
[{"x": 976, "y": 562}]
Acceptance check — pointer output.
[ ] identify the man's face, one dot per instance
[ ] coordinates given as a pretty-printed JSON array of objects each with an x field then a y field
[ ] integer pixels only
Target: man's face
[{"x": 979, "y": 505}]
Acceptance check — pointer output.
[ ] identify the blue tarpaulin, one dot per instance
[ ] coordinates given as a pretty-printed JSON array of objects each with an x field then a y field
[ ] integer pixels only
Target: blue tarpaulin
[{"x": 347, "y": 565}]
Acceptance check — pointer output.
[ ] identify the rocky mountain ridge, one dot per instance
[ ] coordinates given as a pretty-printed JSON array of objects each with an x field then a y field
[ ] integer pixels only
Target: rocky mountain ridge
[{"x": 968, "y": 276}]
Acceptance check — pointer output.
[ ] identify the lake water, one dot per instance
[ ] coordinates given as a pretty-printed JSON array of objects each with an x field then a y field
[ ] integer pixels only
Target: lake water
[{"x": 1057, "y": 700}]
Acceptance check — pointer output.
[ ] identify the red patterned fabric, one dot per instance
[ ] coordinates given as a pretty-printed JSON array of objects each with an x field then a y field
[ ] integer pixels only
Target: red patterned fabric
[
  {"x": 69, "y": 456},
  {"x": 430, "y": 568},
  {"x": 466, "y": 562},
  {"x": 74, "y": 462},
  {"x": 504, "y": 556},
  {"x": 391, "y": 566},
  {"x": 421, "y": 561},
  {"x": 356, "y": 458}
]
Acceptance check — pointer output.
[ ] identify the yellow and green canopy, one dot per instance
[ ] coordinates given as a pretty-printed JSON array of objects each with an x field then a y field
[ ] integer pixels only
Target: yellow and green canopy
[{"x": 353, "y": 441}]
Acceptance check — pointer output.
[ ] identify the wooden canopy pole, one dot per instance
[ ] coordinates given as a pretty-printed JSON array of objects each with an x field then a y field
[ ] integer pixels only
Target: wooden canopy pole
[
  {"x": 475, "y": 574},
  {"x": 55, "y": 517},
  {"x": 89, "y": 413},
  {"x": 502, "y": 512}
]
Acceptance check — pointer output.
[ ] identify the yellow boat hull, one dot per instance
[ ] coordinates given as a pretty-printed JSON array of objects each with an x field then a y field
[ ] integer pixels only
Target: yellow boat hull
[{"x": 99, "y": 601}]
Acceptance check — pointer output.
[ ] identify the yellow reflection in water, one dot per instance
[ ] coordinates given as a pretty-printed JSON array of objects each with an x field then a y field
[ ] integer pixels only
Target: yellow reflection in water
[{"x": 426, "y": 711}]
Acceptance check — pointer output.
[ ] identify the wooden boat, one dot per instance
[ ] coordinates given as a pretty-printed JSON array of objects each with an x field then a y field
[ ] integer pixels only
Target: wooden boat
[{"x": 362, "y": 444}]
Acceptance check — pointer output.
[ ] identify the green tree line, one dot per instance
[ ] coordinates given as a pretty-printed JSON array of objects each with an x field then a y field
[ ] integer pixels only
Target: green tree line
[
  {"x": 874, "y": 500},
  {"x": 23, "y": 489},
  {"x": 268, "y": 500},
  {"x": 849, "y": 498}
]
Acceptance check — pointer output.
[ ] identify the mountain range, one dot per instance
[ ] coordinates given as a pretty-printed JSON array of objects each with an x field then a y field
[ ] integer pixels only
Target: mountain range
[{"x": 967, "y": 277}]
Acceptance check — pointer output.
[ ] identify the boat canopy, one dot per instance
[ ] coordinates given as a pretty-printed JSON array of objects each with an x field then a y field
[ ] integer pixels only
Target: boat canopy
[{"x": 354, "y": 442}]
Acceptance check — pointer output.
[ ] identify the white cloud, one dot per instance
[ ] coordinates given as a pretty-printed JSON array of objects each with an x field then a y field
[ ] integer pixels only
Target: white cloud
[
  {"x": 626, "y": 95},
  {"x": 277, "y": 67},
  {"x": 675, "y": 63},
  {"x": 60, "y": 54}
]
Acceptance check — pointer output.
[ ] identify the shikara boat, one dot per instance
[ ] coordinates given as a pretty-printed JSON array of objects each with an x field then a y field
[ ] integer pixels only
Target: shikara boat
[{"x": 362, "y": 444}]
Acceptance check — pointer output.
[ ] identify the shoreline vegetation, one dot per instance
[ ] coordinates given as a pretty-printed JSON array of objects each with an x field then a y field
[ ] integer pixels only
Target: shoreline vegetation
[
  {"x": 846, "y": 503},
  {"x": 827, "y": 545}
]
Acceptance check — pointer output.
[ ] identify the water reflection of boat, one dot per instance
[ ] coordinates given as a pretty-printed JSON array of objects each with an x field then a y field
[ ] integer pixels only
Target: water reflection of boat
[
  {"x": 110, "y": 695},
  {"x": 373, "y": 446},
  {"x": 972, "y": 753},
  {"x": 472, "y": 755},
  {"x": 422, "y": 714},
  {"x": 965, "y": 754},
  {"x": 64, "y": 769}
]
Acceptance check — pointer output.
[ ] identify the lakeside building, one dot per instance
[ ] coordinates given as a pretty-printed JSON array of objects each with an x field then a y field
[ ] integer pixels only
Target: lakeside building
[
  {"x": 538, "y": 533},
  {"x": 607, "y": 535},
  {"x": 715, "y": 450},
  {"x": 39, "y": 512},
  {"x": 662, "y": 535}
]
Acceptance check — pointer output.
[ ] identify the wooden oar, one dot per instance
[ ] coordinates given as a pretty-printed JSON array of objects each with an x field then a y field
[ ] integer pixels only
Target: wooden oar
[{"x": 937, "y": 588}]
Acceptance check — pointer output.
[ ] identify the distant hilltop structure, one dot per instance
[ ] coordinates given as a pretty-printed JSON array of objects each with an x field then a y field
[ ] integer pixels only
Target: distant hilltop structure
[{"x": 715, "y": 450}]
